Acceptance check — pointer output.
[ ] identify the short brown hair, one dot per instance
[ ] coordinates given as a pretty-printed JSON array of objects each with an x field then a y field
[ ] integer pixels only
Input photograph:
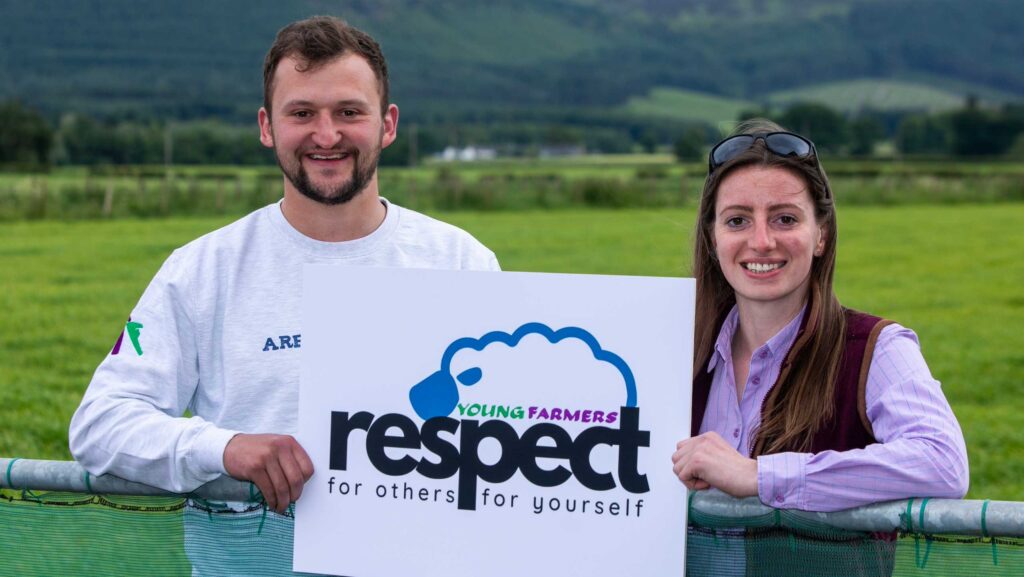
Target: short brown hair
[{"x": 318, "y": 40}]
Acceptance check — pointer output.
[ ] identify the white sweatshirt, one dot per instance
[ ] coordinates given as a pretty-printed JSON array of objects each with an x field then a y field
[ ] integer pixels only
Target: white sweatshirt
[{"x": 220, "y": 337}]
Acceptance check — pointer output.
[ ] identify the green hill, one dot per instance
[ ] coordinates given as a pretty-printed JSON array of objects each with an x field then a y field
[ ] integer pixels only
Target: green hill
[
  {"x": 463, "y": 59},
  {"x": 849, "y": 96},
  {"x": 687, "y": 105},
  {"x": 872, "y": 94}
]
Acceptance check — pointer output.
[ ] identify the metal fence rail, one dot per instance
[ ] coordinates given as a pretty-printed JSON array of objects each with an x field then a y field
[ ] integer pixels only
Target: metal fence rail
[
  {"x": 39, "y": 475},
  {"x": 940, "y": 516}
]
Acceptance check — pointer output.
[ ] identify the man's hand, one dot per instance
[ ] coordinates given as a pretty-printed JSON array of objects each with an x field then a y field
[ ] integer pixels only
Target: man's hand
[
  {"x": 708, "y": 461},
  {"x": 277, "y": 464}
]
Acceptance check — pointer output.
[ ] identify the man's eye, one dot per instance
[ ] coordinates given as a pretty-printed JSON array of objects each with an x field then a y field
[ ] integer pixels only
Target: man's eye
[
  {"x": 302, "y": 113},
  {"x": 348, "y": 113}
]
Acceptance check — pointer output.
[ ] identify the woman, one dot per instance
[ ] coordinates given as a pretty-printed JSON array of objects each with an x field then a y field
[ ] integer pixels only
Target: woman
[{"x": 797, "y": 400}]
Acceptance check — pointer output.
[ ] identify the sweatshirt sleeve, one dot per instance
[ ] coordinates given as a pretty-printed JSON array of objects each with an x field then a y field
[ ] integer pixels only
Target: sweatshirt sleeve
[
  {"x": 490, "y": 263},
  {"x": 130, "y": 422},
  {"x": 920, "y": 450}
]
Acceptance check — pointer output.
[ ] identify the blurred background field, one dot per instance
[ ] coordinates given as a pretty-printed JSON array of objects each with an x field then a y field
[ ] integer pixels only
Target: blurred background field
[
  {"x": 605, "y": 181},
  {"x": 568, "y": 135},
  {"x": 951, "y": 272}
]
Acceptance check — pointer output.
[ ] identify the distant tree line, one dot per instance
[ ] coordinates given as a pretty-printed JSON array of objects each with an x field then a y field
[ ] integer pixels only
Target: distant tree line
[
  {"x": 970, "y": 131},
  {"x": 28, "y": 141},
  {"x": 25, "y": 137}
]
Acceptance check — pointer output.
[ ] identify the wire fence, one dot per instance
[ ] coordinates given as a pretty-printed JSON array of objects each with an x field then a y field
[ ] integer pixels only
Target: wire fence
[{"x": 65, "y": 521}]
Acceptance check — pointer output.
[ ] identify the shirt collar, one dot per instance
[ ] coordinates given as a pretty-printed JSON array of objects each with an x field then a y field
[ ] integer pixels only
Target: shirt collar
[
  {"x": 777, "y": 345},
  {"x": 723, "y": 345}
]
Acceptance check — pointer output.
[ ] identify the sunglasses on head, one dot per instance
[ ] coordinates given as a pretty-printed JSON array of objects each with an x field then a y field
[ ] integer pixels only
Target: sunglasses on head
[{"x": 781, "y": 143}]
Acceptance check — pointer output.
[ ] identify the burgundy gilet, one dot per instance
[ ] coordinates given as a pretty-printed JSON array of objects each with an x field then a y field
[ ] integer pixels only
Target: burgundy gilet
[{"x": 849, "y": 427}]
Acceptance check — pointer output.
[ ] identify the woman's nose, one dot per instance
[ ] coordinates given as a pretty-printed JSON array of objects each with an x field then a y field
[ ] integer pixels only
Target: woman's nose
[{"x": 762, "y": 239}]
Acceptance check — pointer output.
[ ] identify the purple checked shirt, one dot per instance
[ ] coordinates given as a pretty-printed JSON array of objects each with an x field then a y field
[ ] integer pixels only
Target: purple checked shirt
[{"x": 920, "y": 450}]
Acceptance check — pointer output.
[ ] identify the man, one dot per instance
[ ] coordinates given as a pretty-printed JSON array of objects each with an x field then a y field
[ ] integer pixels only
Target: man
[{"x": 217, "y": 331}]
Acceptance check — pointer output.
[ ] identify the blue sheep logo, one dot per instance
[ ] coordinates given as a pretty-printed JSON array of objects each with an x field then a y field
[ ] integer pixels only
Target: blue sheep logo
[{"x": 438, "y": 394}]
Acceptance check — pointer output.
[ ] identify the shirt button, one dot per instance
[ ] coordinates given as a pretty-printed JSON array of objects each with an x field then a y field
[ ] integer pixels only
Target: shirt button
[
  {"x": 764, "y": 354},
  {"x": 778, "y": 498},
  {"x": 757, "y": 380},
  {"x": 736, "y": 433}
]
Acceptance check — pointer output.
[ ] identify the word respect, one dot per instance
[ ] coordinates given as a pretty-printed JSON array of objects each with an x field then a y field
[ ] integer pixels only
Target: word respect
[{"x": 394, "y": 430}]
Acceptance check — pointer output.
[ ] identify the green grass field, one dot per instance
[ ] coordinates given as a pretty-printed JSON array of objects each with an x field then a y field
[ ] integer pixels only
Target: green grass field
[
  {"x": 952, "y": 272},
  {"x": 516, "y": 184}
]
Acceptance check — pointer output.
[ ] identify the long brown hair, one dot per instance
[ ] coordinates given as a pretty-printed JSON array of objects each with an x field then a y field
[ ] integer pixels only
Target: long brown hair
[{"x": 801, "y": 401}]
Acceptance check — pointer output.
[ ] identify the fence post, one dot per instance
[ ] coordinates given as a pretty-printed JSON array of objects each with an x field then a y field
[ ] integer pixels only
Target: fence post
[
  {"x": 682, "y": 187},
  {"x": 165, "y": 193},
  {"x": 108, "y": 199},
  {"x": 39, "y": 198},
  {"x": 140, "y": 192}
]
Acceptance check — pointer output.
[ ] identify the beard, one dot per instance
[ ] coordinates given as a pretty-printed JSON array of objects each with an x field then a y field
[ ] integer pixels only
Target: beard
[{"x": 362, "y": 173}]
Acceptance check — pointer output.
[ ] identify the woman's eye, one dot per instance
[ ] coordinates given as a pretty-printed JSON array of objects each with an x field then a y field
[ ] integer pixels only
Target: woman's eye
[
  {"x": 734, "y": 222},
  {"x": 787, "y": 220}
]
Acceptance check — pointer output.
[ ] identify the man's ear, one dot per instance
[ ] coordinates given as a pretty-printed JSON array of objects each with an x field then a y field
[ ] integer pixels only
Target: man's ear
[
  {"x": 389, "y": 129},
  {"x": 266, "y": 132}
]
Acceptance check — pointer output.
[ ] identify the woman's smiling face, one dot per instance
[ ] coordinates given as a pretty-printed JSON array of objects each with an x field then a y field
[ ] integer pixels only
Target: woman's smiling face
[{"x": 766, "y": 235}]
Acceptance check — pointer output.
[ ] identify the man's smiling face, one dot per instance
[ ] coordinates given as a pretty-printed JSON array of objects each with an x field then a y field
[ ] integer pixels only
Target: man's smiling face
[{"x": 326, "y": 127}]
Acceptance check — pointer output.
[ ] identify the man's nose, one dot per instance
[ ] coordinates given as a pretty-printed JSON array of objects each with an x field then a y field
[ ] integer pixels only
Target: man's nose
[{"x": 326, "y": 132}]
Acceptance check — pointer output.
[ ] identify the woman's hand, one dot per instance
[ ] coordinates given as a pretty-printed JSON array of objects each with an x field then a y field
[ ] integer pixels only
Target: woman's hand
[{"x": 708, "y": 461}]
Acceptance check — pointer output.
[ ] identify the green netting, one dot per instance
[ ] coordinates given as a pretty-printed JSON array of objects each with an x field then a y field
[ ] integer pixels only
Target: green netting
[
  {"x": 781, "y": 544},
  {"x": 55, "y": 533},
  {"x": 74, "y": 534}
]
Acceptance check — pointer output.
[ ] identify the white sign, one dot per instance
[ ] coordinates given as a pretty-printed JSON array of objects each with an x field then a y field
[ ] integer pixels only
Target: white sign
[{"x": 500, "y": 424}]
